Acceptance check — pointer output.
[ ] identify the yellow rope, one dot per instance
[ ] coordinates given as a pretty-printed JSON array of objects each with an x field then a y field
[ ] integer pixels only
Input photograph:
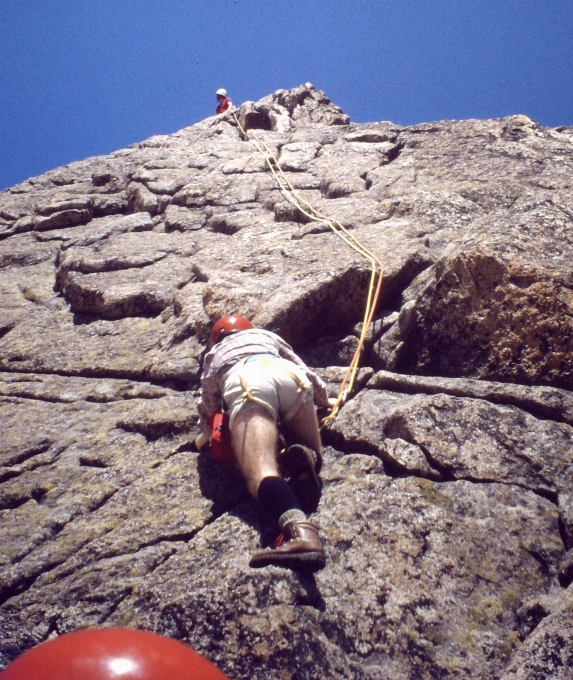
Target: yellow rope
[
  {"x": 203, "y": 132},
  {"x": 289, "y": 192},
  {"x": 370, "y": 303}
]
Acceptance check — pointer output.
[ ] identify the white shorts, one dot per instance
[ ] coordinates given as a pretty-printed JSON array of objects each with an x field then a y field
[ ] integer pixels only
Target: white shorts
[{"x": 265, "y": 381}]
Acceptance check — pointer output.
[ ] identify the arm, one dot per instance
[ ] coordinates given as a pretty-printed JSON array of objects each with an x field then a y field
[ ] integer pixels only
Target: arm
[
  {"x": 319, "y": 389},
  {"x": 210, "y": 399},
  {"x": 201, "y": 441}
]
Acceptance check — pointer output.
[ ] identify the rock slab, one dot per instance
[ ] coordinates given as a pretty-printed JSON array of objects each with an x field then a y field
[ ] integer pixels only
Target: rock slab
[{"x": 447, "y": 512}]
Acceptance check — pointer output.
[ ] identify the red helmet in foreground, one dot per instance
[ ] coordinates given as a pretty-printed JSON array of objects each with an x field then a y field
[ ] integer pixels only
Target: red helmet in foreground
[
  {"x": 227, "y": 325},
  {"x": 111, "y": 653}
]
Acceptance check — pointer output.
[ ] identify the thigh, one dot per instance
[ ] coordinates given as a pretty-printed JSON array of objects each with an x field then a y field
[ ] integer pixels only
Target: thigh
[
  {"x": 255, "y": 441},
  {"x": 303, "y": 428},
  {"x": 292, "y": 387}
]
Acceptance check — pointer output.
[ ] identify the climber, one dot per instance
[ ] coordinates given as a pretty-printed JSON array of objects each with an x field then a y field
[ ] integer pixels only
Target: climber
[
  {"x": 262, "y": 383},
  {"x": 225, "y": 104}
]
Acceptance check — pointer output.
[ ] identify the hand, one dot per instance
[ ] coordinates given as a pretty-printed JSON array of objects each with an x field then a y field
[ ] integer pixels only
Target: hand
[{"x": 201, "y": 441}]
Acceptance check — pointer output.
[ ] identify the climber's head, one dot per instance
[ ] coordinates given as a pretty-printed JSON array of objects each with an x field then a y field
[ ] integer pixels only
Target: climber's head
[
  {"x": 221, "y": 94},
  {"x": 228, "y": 325}
]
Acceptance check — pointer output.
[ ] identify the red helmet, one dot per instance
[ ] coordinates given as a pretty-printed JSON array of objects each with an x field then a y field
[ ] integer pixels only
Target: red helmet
[
  {"x": 106, "y": 653},
  {"x": 228, "y": 325}
]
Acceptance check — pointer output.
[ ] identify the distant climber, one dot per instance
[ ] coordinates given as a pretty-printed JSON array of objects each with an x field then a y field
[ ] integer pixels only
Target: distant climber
[
  {"x": 225, "y": 103},
  {"x": 262, "y": 384}
]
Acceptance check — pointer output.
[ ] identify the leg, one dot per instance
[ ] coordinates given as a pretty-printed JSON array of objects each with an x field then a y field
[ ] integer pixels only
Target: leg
[
  {"x": 302, "y": 428},
  {"x": 302, "y": 459},
  {"x": 255, "y": 441},
  {"x": 255, "y": 438}
]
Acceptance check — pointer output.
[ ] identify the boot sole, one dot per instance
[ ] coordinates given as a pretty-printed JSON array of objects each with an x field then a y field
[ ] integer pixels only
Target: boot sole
[
  {"x": 304, "y": 480},
  {"x": 310, "y": 561}
]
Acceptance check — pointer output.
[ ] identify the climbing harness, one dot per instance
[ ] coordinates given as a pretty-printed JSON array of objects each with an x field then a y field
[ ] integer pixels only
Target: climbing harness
[
  {"x": 290, "y": 193},
  {"x": 303, "y": 386},
  {"x": 219, "y": 424}
]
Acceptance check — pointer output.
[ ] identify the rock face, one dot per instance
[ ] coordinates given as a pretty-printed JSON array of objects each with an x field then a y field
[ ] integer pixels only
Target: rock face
[{"x": 447, "y": 511}]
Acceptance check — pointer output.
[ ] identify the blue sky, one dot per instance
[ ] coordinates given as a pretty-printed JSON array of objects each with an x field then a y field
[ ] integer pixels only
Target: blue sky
[{"x": 85, "y": 77}]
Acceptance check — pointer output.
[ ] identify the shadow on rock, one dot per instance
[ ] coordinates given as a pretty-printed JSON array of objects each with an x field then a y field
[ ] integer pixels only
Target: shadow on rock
[{"x": 221, "y": 483}]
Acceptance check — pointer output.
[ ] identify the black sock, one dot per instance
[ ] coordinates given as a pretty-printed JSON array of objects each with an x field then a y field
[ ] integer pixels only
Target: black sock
[{"x": 276, "y": 497}]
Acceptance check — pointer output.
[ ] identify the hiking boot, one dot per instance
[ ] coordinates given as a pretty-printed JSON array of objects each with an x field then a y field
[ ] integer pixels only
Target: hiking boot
[
  {"x": 302, "y": 465},
  {"x": 302, "y": 550}
]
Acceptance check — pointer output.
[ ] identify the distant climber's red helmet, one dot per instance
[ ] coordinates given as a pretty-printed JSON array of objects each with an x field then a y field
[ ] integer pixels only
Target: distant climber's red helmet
[{"x": 228, "y": 325}]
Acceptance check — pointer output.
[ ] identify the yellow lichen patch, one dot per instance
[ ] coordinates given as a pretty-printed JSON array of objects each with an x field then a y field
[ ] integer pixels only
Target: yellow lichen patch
[
  {"x": 429, "y": 491},
  {"x": 486, "y": 611}
]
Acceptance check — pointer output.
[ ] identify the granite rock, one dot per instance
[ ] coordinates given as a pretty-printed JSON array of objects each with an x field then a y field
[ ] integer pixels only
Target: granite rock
[{"x": 447, "y": 510}]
